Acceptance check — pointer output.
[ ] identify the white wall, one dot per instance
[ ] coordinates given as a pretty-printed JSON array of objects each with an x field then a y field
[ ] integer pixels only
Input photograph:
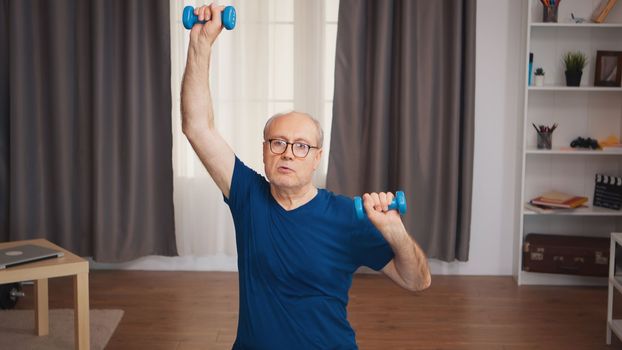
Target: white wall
[{"x": 497, "y": 120}]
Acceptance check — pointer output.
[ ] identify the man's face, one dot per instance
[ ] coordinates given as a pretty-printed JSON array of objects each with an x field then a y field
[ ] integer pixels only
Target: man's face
[{"x": 286, "y": 170}]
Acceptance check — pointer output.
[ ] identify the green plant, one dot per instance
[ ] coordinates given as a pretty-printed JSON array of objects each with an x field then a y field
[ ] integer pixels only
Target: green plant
[
  {"x": 575, "y": 61},
  {"x": 539, "y": 71}
]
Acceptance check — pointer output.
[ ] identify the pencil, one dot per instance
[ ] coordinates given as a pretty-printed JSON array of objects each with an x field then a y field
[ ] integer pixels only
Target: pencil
[{"x": 535, "y": 127}]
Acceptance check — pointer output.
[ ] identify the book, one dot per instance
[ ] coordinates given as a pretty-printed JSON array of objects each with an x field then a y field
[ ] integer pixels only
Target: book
[
  {"x": 542, "y": 209},
  {"x": 610, "y": 144},
  {"x": 612, "y": 148},
  {"x": 603, "y": 10},
  {"x": 530, "y": 67},
  {"x": 557, "y": 199}
]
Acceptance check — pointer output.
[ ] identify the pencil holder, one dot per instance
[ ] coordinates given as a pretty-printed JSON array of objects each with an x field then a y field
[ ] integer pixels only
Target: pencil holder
[
  {"x": 549, "y": 13},
  {"x": 545, "y": 140}
]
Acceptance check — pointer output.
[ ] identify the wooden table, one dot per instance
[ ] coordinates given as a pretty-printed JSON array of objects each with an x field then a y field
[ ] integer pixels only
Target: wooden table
[{"x": 39, "y": 272}]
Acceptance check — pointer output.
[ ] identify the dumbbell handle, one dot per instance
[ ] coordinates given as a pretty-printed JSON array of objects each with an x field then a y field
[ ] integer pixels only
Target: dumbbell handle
[
  {"x": 398, "y": 203},
  {"x": 228, "y": 15}
]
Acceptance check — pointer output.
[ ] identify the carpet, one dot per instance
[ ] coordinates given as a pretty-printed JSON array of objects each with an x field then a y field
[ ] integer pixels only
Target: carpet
[{"x": 17, "y": 329}]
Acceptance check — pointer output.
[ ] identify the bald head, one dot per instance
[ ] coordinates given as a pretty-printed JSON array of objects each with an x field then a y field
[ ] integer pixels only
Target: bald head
[{"x": 297, "y": 115}]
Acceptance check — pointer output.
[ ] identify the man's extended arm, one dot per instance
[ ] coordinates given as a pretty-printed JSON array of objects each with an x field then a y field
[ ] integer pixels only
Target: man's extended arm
[
  {"x": 196, "y": 101},
  {"x": 409, "y": 268}
]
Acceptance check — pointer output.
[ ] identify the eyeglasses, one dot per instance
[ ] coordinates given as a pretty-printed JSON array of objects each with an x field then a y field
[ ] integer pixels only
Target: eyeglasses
[{"x": 299, "y": 149}]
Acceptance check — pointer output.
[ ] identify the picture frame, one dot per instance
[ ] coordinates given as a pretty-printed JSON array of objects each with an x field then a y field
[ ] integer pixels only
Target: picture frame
[{"x": 608, "y": 70}]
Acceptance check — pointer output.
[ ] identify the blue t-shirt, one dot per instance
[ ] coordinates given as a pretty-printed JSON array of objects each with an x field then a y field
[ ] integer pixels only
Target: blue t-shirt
[{"x": 295, "y": 267}]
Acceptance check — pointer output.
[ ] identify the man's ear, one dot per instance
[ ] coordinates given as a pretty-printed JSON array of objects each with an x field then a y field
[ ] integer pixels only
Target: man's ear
[{"x": 318, "y": 157}]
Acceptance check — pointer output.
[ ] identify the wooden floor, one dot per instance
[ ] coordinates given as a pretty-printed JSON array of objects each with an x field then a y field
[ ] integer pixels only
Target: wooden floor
[{"x": 198, "y": 310}]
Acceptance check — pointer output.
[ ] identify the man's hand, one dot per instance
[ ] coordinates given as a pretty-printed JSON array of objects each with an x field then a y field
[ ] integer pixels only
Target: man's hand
[
  {"x": 203, "y": 34},
  {"x": 377, "y": 208}
]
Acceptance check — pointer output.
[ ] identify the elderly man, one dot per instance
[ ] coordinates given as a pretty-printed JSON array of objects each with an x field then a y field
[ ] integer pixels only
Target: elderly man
[{"x": 298, "y": 246}]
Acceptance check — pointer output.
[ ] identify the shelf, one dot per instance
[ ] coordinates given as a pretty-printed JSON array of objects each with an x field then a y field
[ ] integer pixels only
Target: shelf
[
  {"x": 569, "y": 151},
  {"x": 574, "y": 88},
  {"x": 617, "y": 282},
  {"x": 616, "y": 327},
  {"x": 575, "y": 25},
  {"x": 585, "y": 110},
  {"x": 590, "y": 211}
]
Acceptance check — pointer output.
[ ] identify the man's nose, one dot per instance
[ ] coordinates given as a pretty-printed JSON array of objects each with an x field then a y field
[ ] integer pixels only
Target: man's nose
[{"x": 289, "y": 152}]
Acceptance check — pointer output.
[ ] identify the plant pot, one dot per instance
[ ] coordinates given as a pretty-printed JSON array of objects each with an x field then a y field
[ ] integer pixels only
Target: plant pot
[
  {"x": 539, "y": 80},
  {"x": 573, "y": 78}
]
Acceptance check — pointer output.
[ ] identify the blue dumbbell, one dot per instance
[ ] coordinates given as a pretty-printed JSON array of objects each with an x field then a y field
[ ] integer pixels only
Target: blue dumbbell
[
  {"x": 189, "y": 18},
  {"x": 399, "y": 203}
]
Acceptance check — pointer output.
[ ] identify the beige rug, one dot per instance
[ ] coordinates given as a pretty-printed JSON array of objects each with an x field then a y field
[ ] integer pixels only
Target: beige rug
[{"x": 17, "y": 329}]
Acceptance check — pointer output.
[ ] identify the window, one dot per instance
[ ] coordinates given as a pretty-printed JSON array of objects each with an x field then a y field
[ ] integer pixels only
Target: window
[{"x": 301, "y": 37}]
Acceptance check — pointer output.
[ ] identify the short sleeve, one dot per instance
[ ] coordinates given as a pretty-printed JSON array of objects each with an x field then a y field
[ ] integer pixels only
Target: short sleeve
[
  {"x": 244, "y": 180},
  {"x": 370, "y": 248}
]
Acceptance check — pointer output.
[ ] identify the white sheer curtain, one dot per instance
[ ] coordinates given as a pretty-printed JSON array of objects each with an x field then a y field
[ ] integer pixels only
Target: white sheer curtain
[
  {"x": 274, "y": 60},
  {"x": 239, "y": 83}
]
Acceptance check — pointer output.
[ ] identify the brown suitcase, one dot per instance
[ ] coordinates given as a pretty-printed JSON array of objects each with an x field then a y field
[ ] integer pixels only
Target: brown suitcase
[{"x": 573, "y": 255}]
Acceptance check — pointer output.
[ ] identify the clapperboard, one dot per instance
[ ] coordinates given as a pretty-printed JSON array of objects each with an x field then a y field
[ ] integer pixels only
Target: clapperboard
[{"x": 608, "y": 192}]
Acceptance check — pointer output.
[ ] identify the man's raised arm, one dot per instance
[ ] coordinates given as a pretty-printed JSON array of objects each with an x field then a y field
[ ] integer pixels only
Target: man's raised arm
[{"x": 196, "y": 101}]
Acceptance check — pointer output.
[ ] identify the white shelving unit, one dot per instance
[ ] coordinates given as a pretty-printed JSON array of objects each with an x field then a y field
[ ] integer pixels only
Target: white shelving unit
[
  {"x": 615, "y": 285},
  {"x": 586, "y": 111}
]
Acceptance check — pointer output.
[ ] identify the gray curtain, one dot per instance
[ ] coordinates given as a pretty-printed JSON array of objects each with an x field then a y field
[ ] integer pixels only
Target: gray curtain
[
  {"x": 403, "y": 113},
  {"x": 4, "y": 122},
  {"x": 86, "y": 126}
]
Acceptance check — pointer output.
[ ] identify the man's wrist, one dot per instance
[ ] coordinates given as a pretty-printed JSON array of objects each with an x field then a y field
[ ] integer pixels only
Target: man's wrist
[
  {"x": 395, "y": 233},
  {"x": 199, "y": 55}
]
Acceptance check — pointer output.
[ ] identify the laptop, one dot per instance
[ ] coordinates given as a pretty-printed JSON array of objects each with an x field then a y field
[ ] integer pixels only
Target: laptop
[{"x": 26, "y": 253}]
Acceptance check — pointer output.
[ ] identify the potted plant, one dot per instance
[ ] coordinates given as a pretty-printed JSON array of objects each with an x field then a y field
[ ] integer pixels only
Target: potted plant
[
  {"x": 574, "y": 61},
  {"x": 539, "y": 76}
]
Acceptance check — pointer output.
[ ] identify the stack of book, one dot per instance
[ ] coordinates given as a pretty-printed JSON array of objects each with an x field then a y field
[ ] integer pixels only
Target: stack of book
[{"x": 549, "y": 201}]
